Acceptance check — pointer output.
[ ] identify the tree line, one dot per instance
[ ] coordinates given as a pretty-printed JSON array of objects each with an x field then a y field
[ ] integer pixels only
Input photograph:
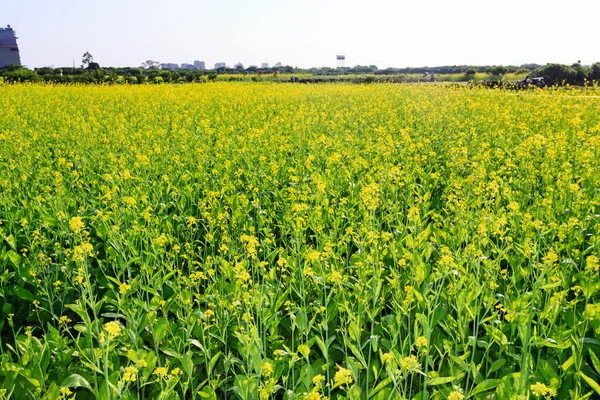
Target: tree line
[{"x": 91, "y": 72}]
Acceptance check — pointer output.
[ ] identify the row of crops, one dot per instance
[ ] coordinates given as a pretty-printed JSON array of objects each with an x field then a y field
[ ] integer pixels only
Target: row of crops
[{"x": 260, "y": 241}]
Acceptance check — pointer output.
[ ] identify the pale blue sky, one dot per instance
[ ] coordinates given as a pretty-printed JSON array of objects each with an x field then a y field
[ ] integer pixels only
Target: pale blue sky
[{"x": 305, "y": 33}]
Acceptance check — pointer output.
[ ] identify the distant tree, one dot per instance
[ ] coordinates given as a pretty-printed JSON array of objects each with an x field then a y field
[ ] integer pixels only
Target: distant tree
[
  {"x": 470, "y": 73},
  {"x": 150, "y": 64},
  {"x": 86, "y": 59},
  {"x": 557, "y": 74},
  {"x": 369, "y": 79},
  {"x": 595, "y": 72},
  {"x": 20, "y": 75},
  {"x": 13, "y": 67},
  {"x": 581, "y": 73},
  {"x": 497, "y": 70},
  {"x": 531, "y": 66},
  {"x": 44, "y": 71},
  {"x": 373, "y": 67},
  {"x": 93, "y": 66},
  {"x": 167, "y": 76}
]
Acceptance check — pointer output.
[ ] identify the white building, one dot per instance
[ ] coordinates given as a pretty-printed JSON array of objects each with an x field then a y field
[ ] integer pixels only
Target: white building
[
  {"x": 264, "y": 65},
  {"x": 199, "y": 64},
  {"x": 220, "y": 65},
  {"x": 277, "y": 65}
]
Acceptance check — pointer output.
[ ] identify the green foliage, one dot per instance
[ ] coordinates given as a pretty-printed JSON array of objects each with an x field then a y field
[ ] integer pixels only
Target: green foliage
[
  {"x": 21, "y": 75},
  {"x": 497, "y": 70},
  {"x": 557, "y": 74},
  {"x": 470, "y": 72},
  {"x": 595, "y": 72}
]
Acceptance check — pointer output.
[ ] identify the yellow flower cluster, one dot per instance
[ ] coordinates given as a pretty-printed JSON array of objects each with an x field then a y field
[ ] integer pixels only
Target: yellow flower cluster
[{"x": 113, "y": 328}]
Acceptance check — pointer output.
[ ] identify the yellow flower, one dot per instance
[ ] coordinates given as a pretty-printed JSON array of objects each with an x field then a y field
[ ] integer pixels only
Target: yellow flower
[
  {"x": 409, "y": 363},
  {"x": 456, "y": 395},
  {"x": 123, "y": 288},
  {"x": 267, "y": 369},
  {"x": 313, "y": 396},
  {"x": 592, "y": 263},
  {"x": 130, "y": 201},
  {"x": 342, "y": 377},
  {"x": 190, "y": 221},
  {"x": 318, "y": 382},
  {"x": 81, "y": 251},
  {"x": 421, "y": 341},
  {"x": 64, "y": 392},
  {"x": 161, "y": 240},
  {"x": 76, "y": 224},
  {"x": 176, "y": 371},
  {"x": 161, "y": 372},
  {"x": 64, "y": 320},
  {"x": 141, "y": 363},
  {"x": 539, "y": 389},
  {"x": 130, "y": 374},
  {"x": 113, "y": 329},
  {"x": 387, "y": 357}
]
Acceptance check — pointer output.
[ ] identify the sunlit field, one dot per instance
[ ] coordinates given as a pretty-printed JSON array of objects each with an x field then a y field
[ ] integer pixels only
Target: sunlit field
[{"x": 279, "y": 241}]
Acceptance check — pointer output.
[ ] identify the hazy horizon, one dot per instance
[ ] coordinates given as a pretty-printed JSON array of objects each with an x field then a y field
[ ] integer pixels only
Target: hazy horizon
[{"x": 382, "y": 33}]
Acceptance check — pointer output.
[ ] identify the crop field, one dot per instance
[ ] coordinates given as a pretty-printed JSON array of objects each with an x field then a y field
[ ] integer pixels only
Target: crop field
[{"x": 279, "y": 241}]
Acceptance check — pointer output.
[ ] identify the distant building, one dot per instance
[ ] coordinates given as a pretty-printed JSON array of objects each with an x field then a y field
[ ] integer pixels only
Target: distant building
[
  {"x": 9, "y": 50},
  {"x": 220, "y": 65},
  {"x": 199, "y": 64},
  {"x": 264, "y": 65},
  {"x": 239, "y": 66},
  {"x": 277, "y": 65},
  {"x": 169, "y": 66},
  {"x": 187, "y": 66}
]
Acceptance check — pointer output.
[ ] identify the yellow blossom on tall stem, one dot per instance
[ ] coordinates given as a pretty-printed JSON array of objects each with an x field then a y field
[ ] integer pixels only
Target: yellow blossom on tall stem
[
  {"x": 113, "y": 328},
  {"x": 342, "y": 377}
]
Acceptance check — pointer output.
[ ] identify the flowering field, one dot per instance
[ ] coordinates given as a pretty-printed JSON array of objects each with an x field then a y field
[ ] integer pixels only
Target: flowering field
[{"x": 259, "y": 241}]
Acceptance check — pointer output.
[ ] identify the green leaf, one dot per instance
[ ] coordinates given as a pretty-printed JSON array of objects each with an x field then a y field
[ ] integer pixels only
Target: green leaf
[
  {"x": 187, "y": 364},
  {"x": 76, "y": 381},
  {"x": 301, "y": 320},
  {"x": 77, "y": 309},
  {"x": 213, "y": 361},
  {"x": 568, "y": 364},
  {"x": 381, "y": 386},
  {"x": 595, "y": 361},
  {"x": 24, "y": 293},
  {"x": 14, "y": 258},
  {"x": 304, "y": 350},
  {"x": 440, "y": 380},
  {"x": 354, "y": 331},
  {"x": 593, "y": 384},
  {"x": 322, "y": 347},
  {"x": 207, "y": 393},
  {"x": 497, "y": 365},
  {"x": 10, "y": 239},
  {"x": 354, "y": 392},
  {"x": 485, "y": 385}
]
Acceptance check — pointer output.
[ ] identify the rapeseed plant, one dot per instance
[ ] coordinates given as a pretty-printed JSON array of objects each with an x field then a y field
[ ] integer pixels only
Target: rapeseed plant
[{"x": 381, "y": 241}]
